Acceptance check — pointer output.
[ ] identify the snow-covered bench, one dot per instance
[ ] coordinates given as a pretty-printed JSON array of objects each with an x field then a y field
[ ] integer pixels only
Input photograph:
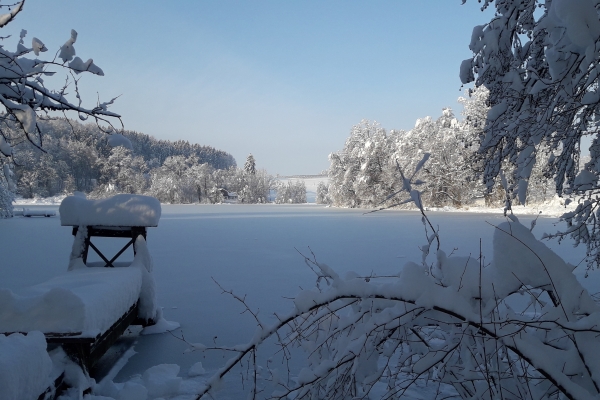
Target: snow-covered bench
[
  {"x": 87, "y": 308},
  {"x": 120, "y": 216},
  {"x": 37, "y": 213}
]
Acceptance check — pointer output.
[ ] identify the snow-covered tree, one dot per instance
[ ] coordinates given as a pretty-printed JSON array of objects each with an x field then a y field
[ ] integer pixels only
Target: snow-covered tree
[
  {"x": 250, "y": 165},
  {"x": 83, "y": 163},
  {"x": 291, "y": 192},
  {"x": 540, "y": 62},
  {"x": 360, "y": 175},
  {"x": 172, "y": 183},
  {"x": 6, "y": 194},
  {"x": 121, "y": 172},
  {"x": 322, "y": 194},
  {"x": 200, "y": 176},
  {"x": 366, "y": 172},
  {"x": 253, "y": 187}
]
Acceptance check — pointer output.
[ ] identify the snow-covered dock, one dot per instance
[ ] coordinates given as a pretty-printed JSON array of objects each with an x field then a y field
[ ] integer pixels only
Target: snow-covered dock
[{"x": 88, "y": 307}]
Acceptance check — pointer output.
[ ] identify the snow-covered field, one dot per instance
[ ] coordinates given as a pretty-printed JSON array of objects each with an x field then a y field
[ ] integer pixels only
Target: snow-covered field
[{"x": 250, "y": 249}]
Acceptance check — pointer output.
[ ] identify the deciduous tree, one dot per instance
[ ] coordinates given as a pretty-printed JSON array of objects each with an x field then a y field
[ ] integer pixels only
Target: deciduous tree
[{"x": 539, "y": 61}]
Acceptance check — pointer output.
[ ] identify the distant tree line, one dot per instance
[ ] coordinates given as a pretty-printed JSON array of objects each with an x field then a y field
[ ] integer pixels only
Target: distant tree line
[
  {"x": 79, "y": 157},
  {"x": 367, "y": 171}
]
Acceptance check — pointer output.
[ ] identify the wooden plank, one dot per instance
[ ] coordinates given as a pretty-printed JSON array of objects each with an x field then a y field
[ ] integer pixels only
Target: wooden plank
[
  {"x": 113, "y": 232},
  {"x": 88, "y": 242},
  {"x": 85, "y": 352},
  {"x": 110, "y": 336},
  {"x": 117, "y": 231},
  {"x": 57, "y": 388}
]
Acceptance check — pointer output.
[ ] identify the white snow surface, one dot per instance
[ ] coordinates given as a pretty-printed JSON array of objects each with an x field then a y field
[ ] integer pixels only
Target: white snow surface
[
  {"x": 250, "y": 249},
  {"x": 119, "y": 210},
  {"x": 25, "y": 366},
  {"x": 87, "y": 300}
]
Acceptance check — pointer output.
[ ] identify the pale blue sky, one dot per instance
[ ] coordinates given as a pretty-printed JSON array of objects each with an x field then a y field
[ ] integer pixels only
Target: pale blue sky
[{"x": 283, "y": 80}]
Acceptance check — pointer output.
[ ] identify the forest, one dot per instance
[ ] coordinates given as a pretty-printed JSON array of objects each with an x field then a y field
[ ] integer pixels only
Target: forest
[
  {"x": 80, "y": 157},
  {"x": 367, "y": 172}
]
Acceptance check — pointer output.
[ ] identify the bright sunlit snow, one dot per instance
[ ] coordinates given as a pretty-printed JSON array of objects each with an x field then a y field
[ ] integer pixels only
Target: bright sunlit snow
[
  {"x": 252, "y": 251},
  {"x": 119, "y": 210}
]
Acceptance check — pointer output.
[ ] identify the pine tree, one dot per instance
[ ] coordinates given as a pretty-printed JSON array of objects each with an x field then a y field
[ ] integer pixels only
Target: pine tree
[{"x": 250, "y": 166}]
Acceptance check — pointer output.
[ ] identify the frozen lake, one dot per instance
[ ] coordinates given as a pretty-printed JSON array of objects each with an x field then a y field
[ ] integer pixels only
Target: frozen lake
[{"x": 250, "y": 249}]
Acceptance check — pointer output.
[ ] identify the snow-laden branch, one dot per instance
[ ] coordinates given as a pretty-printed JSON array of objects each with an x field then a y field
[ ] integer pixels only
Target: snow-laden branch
[
  {"x": 539, "y": 61},
  {"x": 24, "y": 93}
]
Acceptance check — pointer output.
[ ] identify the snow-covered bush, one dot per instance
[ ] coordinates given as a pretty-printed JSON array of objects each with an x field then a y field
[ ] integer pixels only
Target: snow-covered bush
[
  {"x": 322, "y": 194},
  {"x": 539, "y": 61},
  {"x": 291, "y": 192}
]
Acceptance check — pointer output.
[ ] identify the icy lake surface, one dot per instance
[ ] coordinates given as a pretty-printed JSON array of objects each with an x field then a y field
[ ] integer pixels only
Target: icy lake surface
[{"x": 250, "y": 249}]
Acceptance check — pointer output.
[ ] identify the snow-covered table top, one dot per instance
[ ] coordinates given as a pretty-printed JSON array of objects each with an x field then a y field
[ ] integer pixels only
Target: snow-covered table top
[
  {"x": 120, "y": 210},
  {"x": 86, "y": 300}
]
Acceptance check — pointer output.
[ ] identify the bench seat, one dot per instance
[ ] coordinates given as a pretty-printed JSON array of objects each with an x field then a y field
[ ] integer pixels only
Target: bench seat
[{"x": 82, "y": 303}]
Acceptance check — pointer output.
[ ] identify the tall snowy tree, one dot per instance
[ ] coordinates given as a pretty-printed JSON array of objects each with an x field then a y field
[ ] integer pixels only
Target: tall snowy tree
[
  {"x": 359, "y": 174},
  {"x": 250, "y": 165},
  {"x": 122, "y": 172}
]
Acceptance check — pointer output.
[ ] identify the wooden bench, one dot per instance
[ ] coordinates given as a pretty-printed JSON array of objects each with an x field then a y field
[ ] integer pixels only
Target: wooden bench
[{"x": 84, "y": 329}]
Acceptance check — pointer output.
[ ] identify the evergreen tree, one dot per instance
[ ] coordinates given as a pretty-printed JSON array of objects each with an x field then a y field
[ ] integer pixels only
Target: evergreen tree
[{"x": 250, "y": 166}]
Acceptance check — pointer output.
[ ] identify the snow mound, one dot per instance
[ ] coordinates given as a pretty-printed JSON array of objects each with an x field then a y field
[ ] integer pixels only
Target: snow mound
[
  {"x": 87, "y": 300},
  {"x": 25, "y": 366},
  {"x": 162, "y": 380},
  {"x": 119, "y": 210},
  {"x": 161, "y": 326},
  {"x": 38, "y": 213},
  {"x": 197, "y": 369}
]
